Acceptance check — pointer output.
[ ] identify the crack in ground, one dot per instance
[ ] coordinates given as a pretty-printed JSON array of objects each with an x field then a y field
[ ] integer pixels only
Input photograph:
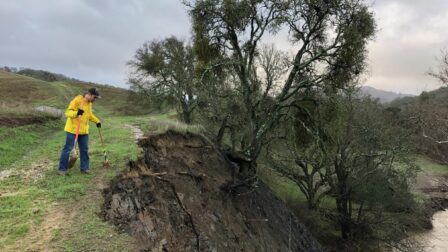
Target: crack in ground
[{"x": 136, "y": 131}]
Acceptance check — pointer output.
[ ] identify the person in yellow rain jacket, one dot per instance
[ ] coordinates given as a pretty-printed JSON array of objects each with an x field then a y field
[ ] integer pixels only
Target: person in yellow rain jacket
[{"x": 81, "y": 105}]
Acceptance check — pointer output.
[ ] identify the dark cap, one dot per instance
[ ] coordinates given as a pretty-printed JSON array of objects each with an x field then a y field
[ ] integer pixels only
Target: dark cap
[{"x": 94, "y": 92}]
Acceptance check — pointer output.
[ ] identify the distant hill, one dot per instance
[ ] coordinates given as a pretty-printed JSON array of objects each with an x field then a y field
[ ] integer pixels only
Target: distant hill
[
  {"x": 45, "y": 75},
  {"x": 427, "y": 114},
  {"x": 383, "y": 96},
  {"x": 39, "y": 74},
  {"x": 438, "y": 97}
]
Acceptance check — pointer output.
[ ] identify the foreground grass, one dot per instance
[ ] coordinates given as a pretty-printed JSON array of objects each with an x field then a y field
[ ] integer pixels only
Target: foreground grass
[
  {"x": 45, "y": 211},
  {"x": 17, "y": 141}
]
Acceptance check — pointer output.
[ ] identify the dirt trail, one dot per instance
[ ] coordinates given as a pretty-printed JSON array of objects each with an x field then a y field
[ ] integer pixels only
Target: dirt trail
[
  {"x": 39, "y": 238},
  {"x": 180, "y": 196},
  {"x": 31, "y": 173},
  {"x": 39, "y": 235},
  {"x": 59, "y": 217}
]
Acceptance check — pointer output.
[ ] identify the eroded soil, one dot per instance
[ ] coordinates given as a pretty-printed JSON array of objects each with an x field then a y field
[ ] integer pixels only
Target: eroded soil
[
  {"x": 8, "y": 121},
  {"x": 176, "y": 198}
]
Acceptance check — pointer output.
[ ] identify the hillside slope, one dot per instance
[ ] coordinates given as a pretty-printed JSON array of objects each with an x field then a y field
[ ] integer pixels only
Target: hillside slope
[
  {"x": 383, "y": 96},
  {"x": 18, "y": 92},
  {"x": 428, "y": 113},
  {"x": 177, "y": 198},
  {"x": 438, "y": 96}
]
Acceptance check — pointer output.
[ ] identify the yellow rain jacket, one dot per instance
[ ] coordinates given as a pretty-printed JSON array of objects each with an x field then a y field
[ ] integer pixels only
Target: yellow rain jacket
[{"x": 72, "y": 117}]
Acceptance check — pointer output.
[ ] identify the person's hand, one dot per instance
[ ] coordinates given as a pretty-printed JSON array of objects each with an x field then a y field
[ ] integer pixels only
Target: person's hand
[
  {"x": 80, "y": 112},
  {"x": 98, "y": 125}
]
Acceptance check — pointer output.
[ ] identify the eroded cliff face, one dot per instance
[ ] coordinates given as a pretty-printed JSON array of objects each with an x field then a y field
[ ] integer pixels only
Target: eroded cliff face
[{"x": 176, "y": 198}]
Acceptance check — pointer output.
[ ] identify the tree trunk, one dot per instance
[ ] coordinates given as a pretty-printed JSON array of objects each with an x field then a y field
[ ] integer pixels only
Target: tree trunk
[
  {"x": 220, "y": 135},
  {"x": 311, "y": 200},
  {"x": 344, "y": 217},
  {"x": 186, "y": 117},
  {"x": 186, "y": 112},
  {"x": 247, "y": 167}
]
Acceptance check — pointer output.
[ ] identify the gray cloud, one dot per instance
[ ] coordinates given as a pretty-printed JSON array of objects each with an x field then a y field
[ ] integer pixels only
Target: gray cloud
[
  {"x": 411, "y": 35},
  {"x": 89, "y": 40},
  {"x": 93, "y": 39}
]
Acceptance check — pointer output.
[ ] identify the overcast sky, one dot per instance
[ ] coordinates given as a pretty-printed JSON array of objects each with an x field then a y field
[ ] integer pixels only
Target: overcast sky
[{"x": 93, "y": 39}]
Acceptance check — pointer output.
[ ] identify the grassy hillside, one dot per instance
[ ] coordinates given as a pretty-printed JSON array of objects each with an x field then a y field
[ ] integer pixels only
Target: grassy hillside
[
  {"x": 19, "y": 94},
  {"x": 23, "y": 128},
  {"x": 41, "y": 211}
]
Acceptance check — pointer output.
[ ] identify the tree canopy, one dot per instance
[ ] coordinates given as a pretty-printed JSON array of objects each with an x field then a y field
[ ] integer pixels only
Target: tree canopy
[{"x": 329, "y": 37}]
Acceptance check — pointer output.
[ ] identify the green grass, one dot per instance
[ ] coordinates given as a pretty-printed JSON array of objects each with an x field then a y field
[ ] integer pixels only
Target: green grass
[
  {"x": 16, "y": 214},
  {"x": 77, "y": 193},
  {"x": 17, "y": 141},
  {"x": 163, "y": 122},
  {"x": 284, "y": 188},
  {"x": 432, "y": 167},
  {"x": 88, "y": 231},
  {"x": 290, "y": 193}
]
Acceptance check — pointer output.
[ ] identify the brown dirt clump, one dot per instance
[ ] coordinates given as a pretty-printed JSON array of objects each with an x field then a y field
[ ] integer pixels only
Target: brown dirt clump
[
  {"x": 176, "y": 198},
  {"x": 13, "y": 121}
]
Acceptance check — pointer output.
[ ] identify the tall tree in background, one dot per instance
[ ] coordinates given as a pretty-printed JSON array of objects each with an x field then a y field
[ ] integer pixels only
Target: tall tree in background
[
  {"x": 429, "y": 115},
  {"x": 441, "y": 74},
  {"x": 166, "y": 68},
  {"x": 329, "y": 37},
  {"x": 369, "y": 164},
  {"x": 351, "y": 149},
  {"x": 299, "y": 155}
]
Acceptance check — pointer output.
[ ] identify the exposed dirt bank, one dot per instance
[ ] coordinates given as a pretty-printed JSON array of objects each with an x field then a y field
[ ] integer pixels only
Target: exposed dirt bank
[
  {"x": 436, "y": 188},
  {"x": 177, "y": 198},
  {"x": 10, "y": 121}
]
